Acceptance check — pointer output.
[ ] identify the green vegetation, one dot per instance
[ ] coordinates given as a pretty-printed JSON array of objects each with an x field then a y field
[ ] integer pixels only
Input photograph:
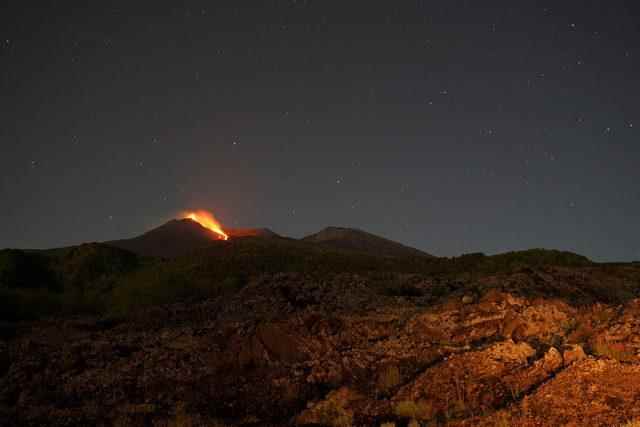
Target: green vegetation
[
  {"x": 25, "y": 270},
  {"x": 97, "y": 278},
  {"x": 531, "y": 258},
  {"x": 616, "y": 351},
  {"x": 388, "y": 378},
  {"x": 331, "y": 414},
  {"x": 413, "y": 410}
]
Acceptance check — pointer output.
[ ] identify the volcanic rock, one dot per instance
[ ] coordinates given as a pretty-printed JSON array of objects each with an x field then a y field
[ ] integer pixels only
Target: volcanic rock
[{"x": 339, "y": 349}]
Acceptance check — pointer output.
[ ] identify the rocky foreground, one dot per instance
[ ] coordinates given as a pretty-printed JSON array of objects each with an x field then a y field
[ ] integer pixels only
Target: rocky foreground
[{"x": 536, "y": 347}]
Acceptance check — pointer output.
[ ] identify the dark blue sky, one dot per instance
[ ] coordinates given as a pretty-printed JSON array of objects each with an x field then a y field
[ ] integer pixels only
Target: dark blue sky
[{"x": 445, "y": 125}]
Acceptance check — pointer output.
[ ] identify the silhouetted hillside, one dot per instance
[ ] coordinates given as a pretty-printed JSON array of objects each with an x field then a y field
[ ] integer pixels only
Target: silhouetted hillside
[
  {"x": 176, "y": 237},
  {"x": 361, "y": 241},
  {"x": 250, "y": 232},
  {"x": 26, "y": 270}
]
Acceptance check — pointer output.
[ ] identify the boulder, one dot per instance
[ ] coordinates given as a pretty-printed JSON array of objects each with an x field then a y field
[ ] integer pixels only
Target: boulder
[{"x": 573, "y": 353}]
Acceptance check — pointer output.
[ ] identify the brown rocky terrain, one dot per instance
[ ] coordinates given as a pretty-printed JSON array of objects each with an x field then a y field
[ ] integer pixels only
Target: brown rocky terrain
[{"x": 545, "y": 346}]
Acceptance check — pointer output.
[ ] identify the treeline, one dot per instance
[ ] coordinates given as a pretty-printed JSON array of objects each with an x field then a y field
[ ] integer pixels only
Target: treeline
[{"x": 97, "y": 279}]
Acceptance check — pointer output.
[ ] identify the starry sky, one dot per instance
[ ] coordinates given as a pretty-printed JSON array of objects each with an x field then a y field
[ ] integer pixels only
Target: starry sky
[{"x": 452, "y": 126}]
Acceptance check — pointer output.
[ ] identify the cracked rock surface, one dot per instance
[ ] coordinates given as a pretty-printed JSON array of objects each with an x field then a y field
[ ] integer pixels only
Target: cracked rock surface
[{"x": 544, "y": 347}]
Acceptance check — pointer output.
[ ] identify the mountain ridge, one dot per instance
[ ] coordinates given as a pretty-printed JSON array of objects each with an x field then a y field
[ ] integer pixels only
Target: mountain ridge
[
  {"x": 354, "y": 239},
  {"x": 179, "y": 237}
]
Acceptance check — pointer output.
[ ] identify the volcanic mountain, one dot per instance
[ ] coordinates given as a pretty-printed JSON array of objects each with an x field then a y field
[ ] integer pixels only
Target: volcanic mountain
[
  {"x": 173, "y": 238},
  {"x": 360, "y": 241},
  {"x": 341, "y": 328},
  {"x": 250, "y": 232},
  {"x": 180, "y": 237}
]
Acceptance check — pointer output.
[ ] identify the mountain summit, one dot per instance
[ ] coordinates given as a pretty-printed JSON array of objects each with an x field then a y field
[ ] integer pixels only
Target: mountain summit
[
  {"x": 361, "y": 241},
  {"x": 251, "y": 232},
  {"x": 174, "y": 238},
  {"x": 181, "y": 236}
]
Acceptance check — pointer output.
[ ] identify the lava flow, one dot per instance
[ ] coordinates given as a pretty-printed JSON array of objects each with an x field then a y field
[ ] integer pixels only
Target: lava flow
[{"x": 207, "y": 220}]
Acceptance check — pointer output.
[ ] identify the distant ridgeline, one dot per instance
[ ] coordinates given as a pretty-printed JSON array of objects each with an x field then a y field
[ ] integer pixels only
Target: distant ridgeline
[{"x": 103, "y": 279}]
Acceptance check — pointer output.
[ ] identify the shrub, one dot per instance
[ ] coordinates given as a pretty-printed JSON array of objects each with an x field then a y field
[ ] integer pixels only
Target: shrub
[
  {"x": 25, "y": 270},
  {"x": 581, "y": 333},
  {"x": 333, "y": 415},
  {"x": 421, "y": 410},
  {"x": 388, "y": 378},
  {"x": 616, "y": 351},
  {"x": 29, "y": 304},
  {"x": 501, "y": 419}
]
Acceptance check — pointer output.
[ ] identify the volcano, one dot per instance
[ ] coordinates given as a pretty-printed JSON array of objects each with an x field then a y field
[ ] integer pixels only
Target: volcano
[
  {"x": 360, "y": 241},
  {"x": 174, "y": 238},
  {"x": 182, "y": 236}
]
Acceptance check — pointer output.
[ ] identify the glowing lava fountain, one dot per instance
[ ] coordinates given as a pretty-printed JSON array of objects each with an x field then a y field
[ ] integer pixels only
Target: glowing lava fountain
[{"x": 208, "y": 221}]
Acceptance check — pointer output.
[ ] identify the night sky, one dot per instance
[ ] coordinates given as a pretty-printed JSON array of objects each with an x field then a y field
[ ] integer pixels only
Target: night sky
[{"x": 451, "y": 126}]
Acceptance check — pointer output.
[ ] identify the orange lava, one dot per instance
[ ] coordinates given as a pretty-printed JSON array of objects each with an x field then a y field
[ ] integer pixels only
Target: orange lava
[{"x": 207, "y": 220}]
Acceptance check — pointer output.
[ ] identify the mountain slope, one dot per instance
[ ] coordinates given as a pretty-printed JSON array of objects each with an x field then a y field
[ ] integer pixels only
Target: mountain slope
[
  {"x": 176, "y": 237},
  {"x": 181, "y": 237},
  {"x": 361, "y": 241},
  {"x": 250, "y": 232}
]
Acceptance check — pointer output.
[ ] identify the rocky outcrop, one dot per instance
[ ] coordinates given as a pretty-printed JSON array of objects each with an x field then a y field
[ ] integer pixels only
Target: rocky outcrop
[{"x": 294, "y": 350}]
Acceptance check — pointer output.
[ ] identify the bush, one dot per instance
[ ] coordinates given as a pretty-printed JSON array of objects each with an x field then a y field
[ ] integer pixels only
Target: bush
[
  {"x": 29, "y": 304},
  {"x": 409, "y": 409},
  {"x": 333, "y": 415},
  {"x": 25, "y": 270},
  {"x": 388, "y": 378},
  {"x": 165, "y": 284},
  {"x": 616, "y": 351}
]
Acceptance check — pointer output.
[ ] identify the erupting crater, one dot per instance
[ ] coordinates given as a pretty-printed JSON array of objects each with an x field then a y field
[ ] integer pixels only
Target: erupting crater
[{"x": 208, "y": 221}]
